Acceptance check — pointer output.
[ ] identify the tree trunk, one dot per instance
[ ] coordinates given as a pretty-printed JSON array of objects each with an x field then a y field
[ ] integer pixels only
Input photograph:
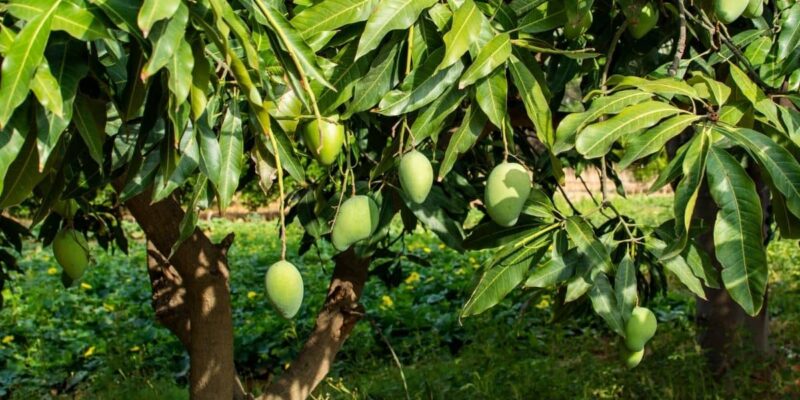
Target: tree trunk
[
  {"x": 203, "y": 270},
  {"x": 335, "y": 321}
]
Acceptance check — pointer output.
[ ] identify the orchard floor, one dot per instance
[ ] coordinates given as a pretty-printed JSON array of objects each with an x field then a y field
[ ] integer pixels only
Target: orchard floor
[{"x": 98, "y": 340}]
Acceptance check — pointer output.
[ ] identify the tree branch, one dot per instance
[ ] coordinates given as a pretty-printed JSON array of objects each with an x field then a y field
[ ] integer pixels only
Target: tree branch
[{"x": 680, "y": 47}]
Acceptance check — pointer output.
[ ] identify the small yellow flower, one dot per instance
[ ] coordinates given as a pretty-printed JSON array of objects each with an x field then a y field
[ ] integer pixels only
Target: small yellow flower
[
  {"x": 134, "y": 349},
  {"x": 472, "y": 260},
  {"x": 88, "y": 353},
  {"x": 52, "y": 271},
  {"x": 251, "y": 295},
  {"x": 8, "y": 339},
  {"x": 460, "y": 271},
  {"x": 543, "y": 304},
  {"x": 441, "y": 246},
  {"x": 387, "y": 301},
  {"x": 413, "y": 277},
  {"x": 426, "y": 249},
  {"x": 85, "y": 285},
  {"x": 109, "y": 307}
]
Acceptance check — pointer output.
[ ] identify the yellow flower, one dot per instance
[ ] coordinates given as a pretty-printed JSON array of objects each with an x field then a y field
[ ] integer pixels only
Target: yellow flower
[
  {"x": 108, "y": 307},
  {"x": 543, "y": 304},
  {"x": 387, "y": 301},
  {"x": 85, "y": 285},
  {"x": 8, "y": 339},
  {"x": 472, "y": 260},
  {"x": 52, "y": 271},
  {"x": 251, "y": 295},
  {"x": 89, "y": 352},
  {"x": 135, "y": 349},
  {"x": 414, "y": 277},
  {"x": 426, "y": 249},
  {"x": 460, "y": 271},
  {"x": 441, "y": 246}
]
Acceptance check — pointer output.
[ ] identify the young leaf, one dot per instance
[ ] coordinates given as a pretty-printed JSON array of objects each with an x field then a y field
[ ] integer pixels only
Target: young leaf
[
  {"x": 462, "y": 32},
  {"x": 45, "y": 87},
  {"x": 389, "y": 15}
]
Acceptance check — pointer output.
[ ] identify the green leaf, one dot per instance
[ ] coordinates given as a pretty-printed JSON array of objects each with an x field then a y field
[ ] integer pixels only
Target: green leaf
[
  {"x": 740, "y": 40},
  {"x": 672, "y": 171},
  {"x": 12, "y": 138},
  {"x": 757, "y": 51},
  {"x": 503, "y": 275},
  {"x": 210, "y": 153},
  {"x": 694, "y": 166},
  {"x": 383, "y": 74},
  {"x": 553, "y": 272},
  {"x": 738, "y": 239},
  {"x": 605, "y": 304},
  {"x": 123, "y": 13},
  {"x": 463, "y": 140},
  {"x": 489, "y": 235},
  {"x": 405, "y": 100},
  {"x": 534, "y": 99},
  {"x": 21, "y": 61},
  {"x": 625, "y": 286},
  {"x": 435, "y": 218},
  {"x": 583, "y": 236},
  {"x": 167, "y": 38},
  {"x": 665, "y": 87},
  {"x": 231, "y": 147},
  {"x": 71, "y": 16},
  {"x": 655, "y": 139},
  {"x": 491, "y": 56},
  {"x": 706, "y": 87},
  {"x": 678, "y": 266},
  {"x": 153, "y": 11},
  {"x": 45, "y": 87},
  {"x": 596, "y": 140},
  {"x": 344, "y": 77},
  {"x": 286, "y": 150},
  {"x": 491, "y": 93},
  {"x": 462, "y": 32},
  {"x": 430, "y": 121},
  {"x": 90, "y": 119},
  {"x": 789, "y": 38},
  {"x": 389, "y": 15},
  {"x": 546, "y": 17},
  {"x": 782, "y": 167},
  {"x": 189, "y": 220},
  {"x": 756, "y": 96},
  {"x": 180, "y": 72},
  {"x": 186, "y": 166},
  {"x": 330, "y": 15}
]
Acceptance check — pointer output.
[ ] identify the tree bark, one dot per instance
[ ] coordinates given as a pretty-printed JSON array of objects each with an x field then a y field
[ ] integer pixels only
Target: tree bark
[
  {"x": 335, "y": 321},
  {"x": 169, "y": 295},
  {"x": 203, "y": 270}
]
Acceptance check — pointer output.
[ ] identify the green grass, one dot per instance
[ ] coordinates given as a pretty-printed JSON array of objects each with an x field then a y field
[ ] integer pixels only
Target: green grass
[{"x": 99, "y": 340}]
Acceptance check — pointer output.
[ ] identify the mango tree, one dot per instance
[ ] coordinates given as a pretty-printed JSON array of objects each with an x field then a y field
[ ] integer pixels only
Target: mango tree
[{"x": 357, "y": 113}]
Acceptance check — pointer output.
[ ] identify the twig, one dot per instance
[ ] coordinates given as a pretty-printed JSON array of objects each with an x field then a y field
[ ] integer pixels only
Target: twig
[
  {"x": 610, "y": 55},
  {"x": 603, "y": 179},
  {"x": 572, "y": 206},
  {"x": 681, "y": 46}
]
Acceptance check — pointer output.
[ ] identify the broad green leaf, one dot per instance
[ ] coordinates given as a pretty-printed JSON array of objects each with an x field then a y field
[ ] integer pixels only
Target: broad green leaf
[
  {"x": 654, "y": 139},
  {"x": 21, "y": 61},
  {"x": 543, "y": 18},
  {"x": 694, "y": 166},
  {"x": 231, "y": 147},
  {"x": 22, "y": 175},
  {"x": 596, "y": 140},
  {"x": 502, "y": 276},
  {"x": 210, "y": 153},
  {"x": 625, "y": 287},
  {"x": 189, "y": 221},
  {"x": 756, "y": 96},
  {"x": 740, "y": 40},
  {"x": 534, "y": 99},
  {"x": 201, "y": 75},
  {"x": 789, "y": 37},
  {"x": 123, "y": 13},
  {"x": 286, "y": 149},
  {"x": 70, "y": 16},
  {"x": 494, "y": 54},
  {"x": 186, "y": 166},
  {"x": 429, "y": 122},
  {"x": 738, "y": 239},
  {"x": 553, "y": 272},
  {"x": 12, "y": 138},
  {"x": 133, "y": 94},
  {"x": 489, "y": 235},
  {"x": 583, "y": 236},
  {"x": 383, "y": 74},
  {"x": 45, "y": 87},
  {"x": 405, "y": 100},
  {"x": 491, "y": 93},
  {"x": 664, "y": 87},
  {"x": 463, "y": 140},
  {"x": 733, "y": 112},
  {"x": 782, "y": 167},
  {"x": 462, "y": 32},
  {"x": 757, "y": 51},
  {"x": 672, "y": 171},
  {"x": 167, "y": 38},
  {"x": 90, "y": 119},
  {"x": 180, "y": 72},
  {"x": 330, "y": 15},
  {"x": 605, "y": 305},
  {"x": 239, "y": 29},
  {"x": 706, "y": 87},
  {"x": 678, "y": 266},
  {"x": 389, "y": 15},
  {"x": 153, "y": 11}
]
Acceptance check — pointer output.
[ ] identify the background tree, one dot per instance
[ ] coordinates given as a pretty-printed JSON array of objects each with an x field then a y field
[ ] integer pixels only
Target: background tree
[{"x": 177, "y": 105}]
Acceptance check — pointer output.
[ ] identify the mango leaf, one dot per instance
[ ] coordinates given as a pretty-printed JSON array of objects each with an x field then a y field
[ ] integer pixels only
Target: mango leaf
[
  {"x": 405, "y": 100},
  {"x": 12, "y": 138},
  {"x": 123, "y": 13},
  {"x": 789, "y": 37},
  {"x": 605, "y": 305},
  {"x": 583, "y": 236},
  {"x": 782, "y": 167},
  {"x": 153, "y": 11},
  {"x": 596, "y": 139},
  {"x": 693, "y": 166},
  {"x": 463, "y": 140},
  {"x": 757, "y": 51},
  {"x": 555, "y": 270},
  {"x": 432, "y": 215},
  {"x": 45, "y": 87},
  {"x": 655, "y": 139},
  {"x": 504, "y": 274},
  {"x": 180, "y": 72},
  {"x": 491, "y": 93},
  {"x": 429, "y": 122},
  {"x": 189, "y": 220},
  {"x": 706, "y": 87},
  {"x": 738, "y": 239},
  {"x": 491, "y": 56},
  {"x": 344, "y": 76},
  {"x": 167, "y": 38},
  {"x": 625, "y": 287},
  {"x": 740, "y": 40},
  {"x": 383, "y": 74},
  {"x": 534, "y": 99},
  {"x": 21, "y": 61},
  {"x": 489, "y": 235},
  {"x": 231, "y": 147},
  {"x": 672, "y": 171},
  {"x": 756, "y": 96},
  {"x": 666, "y": 87},
  {"x": 546, "y": 17},
  {"x": 90, "y": 119},
  {"x": 210, "y": 153},
  {"x": 678, "y": 266},
  {"x": 71, "y": 16},
  {"x": 187, "y": 164},
  {"x": 330, "y": 15},
  {"x": 462, "y": 32},
  {"x": 389, "y": 15}
]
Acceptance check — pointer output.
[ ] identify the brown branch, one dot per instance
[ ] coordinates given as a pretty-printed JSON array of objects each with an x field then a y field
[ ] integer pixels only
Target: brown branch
[
  {"x": 335, "y": 321},
  {"x": 680, "y": 47}
]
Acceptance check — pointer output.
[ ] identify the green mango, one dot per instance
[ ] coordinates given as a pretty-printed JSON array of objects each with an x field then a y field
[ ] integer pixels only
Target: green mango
[
  {"x": 754, "y": 9},
  {"x": 284, "y": 288},
  {"x": 728, "y": 11},
  {"x": 416, "y": 176},
  {"x": 356, "y": 220},
  {"x": 71, "y": 252},
  {"x": 632, "y": 358},
  {"x": 640, "y": 328},
  {"x": 332, "y": 140},
  {"x": 644, "y": 20},
  {"x": 507, "y": 189},
  {"x": 66, "y": 208}
]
